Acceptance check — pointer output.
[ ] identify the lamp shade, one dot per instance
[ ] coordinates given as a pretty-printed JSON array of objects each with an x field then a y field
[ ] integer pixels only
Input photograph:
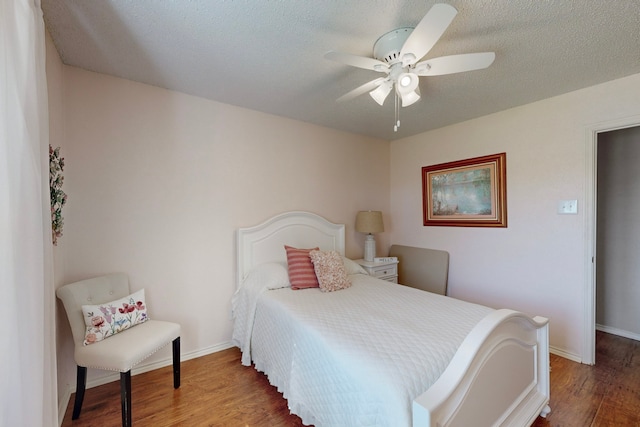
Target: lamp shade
[{"x": 369, "y": 222}]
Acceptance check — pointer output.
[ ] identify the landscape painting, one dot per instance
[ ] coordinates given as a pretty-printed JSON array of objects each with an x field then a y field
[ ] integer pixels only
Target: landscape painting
[{"x": 466, "y": 193}]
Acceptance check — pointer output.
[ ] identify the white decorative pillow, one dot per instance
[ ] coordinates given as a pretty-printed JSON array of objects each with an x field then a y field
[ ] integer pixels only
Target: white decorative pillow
[
  {"x": 330, "y": 270},
  {"x": 105, "y": 320},
  {"x": 270, "y": 275},
  {"x": 352, "y": 267}
]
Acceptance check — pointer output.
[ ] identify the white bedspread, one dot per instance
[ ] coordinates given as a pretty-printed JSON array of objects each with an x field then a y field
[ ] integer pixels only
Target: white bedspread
[{"x": 355, "y": 357}]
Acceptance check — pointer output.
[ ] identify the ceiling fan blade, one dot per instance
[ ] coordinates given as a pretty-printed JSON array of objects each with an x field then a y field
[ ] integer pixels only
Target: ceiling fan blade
[
  {"x": 367, "y": 87},
  {"x": 357, "y": 61},
  {"x": 454, "y": 64},
  {"x": 427, "y": 33}
]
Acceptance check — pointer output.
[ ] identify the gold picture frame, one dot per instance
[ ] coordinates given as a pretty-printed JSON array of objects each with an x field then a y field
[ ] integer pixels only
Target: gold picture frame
[{"x": 466, "y": 193}]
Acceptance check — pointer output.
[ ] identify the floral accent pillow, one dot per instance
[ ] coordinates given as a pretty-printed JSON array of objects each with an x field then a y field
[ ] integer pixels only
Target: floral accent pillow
[
  {"x": 330, "y": 270},
  {"x": 108, "y": 319}
]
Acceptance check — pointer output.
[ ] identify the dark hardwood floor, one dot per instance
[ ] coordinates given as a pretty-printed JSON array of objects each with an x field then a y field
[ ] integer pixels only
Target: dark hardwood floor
[
  {"x": 606, "y": 394},
  {"x": 218, "y": 391}
]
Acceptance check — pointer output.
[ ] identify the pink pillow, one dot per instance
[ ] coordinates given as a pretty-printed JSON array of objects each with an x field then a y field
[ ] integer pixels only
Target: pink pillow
[
  {"x": 301, "y": 272},
  {"x": 330, "y": 270}
]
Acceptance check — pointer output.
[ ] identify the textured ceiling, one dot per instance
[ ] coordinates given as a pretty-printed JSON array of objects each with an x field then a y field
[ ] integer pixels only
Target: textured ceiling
[{"x": 268, "y": 55}]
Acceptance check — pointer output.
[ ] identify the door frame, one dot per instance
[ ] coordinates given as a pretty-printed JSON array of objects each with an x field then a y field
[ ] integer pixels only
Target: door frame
[{"x": 591, "y": 205}]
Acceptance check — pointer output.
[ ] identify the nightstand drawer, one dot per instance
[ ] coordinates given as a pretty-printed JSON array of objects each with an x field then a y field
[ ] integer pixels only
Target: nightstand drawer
[{"x": 385, "y": 270}]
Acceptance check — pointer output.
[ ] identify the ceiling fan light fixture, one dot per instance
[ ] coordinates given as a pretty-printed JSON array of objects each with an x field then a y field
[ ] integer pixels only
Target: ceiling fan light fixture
[
  {"x": 380, "y": 93},
  {"x": 409, "y": 98},
  {"x": 407, "y": 82},
  {"x": 406, "y": 87}
]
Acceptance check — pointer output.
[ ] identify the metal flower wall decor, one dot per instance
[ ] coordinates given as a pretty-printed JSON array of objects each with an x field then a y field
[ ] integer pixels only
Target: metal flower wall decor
[{"x": 58, "y": 197}]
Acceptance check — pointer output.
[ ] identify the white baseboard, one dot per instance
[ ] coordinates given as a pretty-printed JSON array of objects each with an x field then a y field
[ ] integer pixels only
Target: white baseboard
[
  {"x": 63, "y": 403},
  {"x": 603, "y": 328},
  {"x": 562, "y": 353},
  {"x": 64, "y": 400},
  {"x": 619, "y": 332}
]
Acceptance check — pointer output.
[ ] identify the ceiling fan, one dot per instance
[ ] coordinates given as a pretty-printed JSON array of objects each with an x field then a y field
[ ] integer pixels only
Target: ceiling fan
[{"x": 397, "y": 53}]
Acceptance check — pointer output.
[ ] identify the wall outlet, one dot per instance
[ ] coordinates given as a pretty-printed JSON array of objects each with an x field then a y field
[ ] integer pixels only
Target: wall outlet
[{"x": 568, "y": 207}]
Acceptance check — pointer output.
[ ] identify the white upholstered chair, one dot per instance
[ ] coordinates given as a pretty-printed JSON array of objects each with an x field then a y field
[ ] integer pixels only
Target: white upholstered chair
[{"x": 119, "y": 352}]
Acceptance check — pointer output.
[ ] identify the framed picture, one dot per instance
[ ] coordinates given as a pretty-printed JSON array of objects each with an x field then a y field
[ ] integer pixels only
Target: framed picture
[{"x": 466, "y": 193}]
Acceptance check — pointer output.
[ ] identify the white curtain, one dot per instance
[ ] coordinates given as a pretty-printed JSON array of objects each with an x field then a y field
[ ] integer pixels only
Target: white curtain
[{"x": 27, "y": 354}]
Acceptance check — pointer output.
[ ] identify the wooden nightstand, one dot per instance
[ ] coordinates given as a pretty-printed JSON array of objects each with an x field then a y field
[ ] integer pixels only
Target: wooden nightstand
[{"x": 382, "y": 270}]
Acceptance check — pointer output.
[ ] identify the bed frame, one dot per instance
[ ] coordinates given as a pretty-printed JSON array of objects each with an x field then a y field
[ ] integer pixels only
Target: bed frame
[{"x": 498, "y": 377}]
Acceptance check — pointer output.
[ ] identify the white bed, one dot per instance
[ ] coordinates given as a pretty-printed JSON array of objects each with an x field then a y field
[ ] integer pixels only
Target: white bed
[{"x": 380, "y": 354}]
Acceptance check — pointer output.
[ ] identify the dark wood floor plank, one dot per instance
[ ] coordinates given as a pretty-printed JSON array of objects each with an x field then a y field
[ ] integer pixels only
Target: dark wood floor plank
[
  {"x": 609, "y": 416},
  {"x": 217, "y": 391}
]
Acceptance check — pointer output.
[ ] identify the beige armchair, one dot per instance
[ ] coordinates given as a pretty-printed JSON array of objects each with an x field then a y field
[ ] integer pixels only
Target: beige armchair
[{"x": 119, "y": 352}]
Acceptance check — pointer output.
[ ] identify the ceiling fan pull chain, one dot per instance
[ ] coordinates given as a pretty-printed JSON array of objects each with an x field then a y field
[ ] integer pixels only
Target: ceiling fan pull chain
[{"x": 397, "y": 115}]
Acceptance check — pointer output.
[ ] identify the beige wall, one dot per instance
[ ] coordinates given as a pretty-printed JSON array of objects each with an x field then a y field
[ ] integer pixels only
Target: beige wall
[
  {"x": 537, "y": 264},
  {"x": 65, "y": 371},
  {"x": 158, "y": 181}
]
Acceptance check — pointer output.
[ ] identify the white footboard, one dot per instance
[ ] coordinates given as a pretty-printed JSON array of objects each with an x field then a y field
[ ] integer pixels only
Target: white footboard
[{"x": 498, "y": 377}]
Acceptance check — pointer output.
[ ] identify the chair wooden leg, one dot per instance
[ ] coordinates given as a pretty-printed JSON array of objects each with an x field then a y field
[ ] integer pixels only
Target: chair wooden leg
[
  {"x": 81, "y": 385},
  {"x": 125, "y": 397},
  {"x": 176, "y": 363}
]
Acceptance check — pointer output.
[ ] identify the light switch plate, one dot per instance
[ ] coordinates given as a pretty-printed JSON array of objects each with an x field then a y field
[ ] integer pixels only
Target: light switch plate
[{"x": 568, "y": 207}]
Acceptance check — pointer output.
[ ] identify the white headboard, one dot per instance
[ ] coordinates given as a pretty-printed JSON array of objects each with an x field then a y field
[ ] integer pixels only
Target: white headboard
[{"x": 265, "y": 242}]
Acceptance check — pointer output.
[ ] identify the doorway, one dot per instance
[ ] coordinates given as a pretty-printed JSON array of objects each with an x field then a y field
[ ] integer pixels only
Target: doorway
[{"x": 594, "y": 135}]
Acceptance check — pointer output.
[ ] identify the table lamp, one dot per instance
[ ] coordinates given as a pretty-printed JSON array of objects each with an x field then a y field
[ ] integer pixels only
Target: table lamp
[{"x": 369, "y": 222}]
